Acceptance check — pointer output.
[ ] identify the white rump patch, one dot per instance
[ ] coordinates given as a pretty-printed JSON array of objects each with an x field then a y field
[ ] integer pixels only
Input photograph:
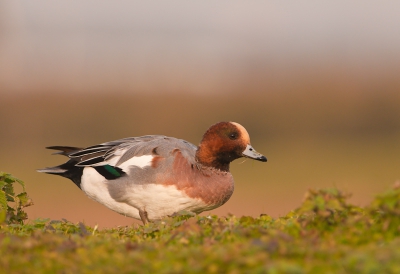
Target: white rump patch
[
  {"x": 95, "y": 186},
  {"x": 157, "y": 200}
]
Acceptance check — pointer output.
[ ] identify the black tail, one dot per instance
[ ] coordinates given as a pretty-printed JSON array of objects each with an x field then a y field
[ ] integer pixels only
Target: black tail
[
  {"x": 68, "y": 169},
  {"x": 65, "y": 150}
]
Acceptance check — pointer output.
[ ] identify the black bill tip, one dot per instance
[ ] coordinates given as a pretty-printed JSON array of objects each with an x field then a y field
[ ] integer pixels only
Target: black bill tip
[{"x": 262, "y": 159}]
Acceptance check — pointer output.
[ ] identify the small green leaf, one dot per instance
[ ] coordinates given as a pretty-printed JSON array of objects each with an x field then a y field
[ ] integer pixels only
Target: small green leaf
[
  {"x": 9, "y": 190},
  {"x": 24, "y": 200},
  {"x": 12, "y": 213},
  {"x": 3, "y": 215},
  {"x": 3, "y": 201}
]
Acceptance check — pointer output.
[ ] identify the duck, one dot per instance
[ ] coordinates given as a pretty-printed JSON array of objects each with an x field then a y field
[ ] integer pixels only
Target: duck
[{"x": 154, "y": 176}]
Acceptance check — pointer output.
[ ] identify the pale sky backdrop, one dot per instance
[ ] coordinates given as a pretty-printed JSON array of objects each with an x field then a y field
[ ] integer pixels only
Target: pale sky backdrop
[{"x": 139, "y": 45}]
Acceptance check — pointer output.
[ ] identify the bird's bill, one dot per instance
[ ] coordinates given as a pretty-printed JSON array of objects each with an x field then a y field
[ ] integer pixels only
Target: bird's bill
[{"x": 251, "y": 153}]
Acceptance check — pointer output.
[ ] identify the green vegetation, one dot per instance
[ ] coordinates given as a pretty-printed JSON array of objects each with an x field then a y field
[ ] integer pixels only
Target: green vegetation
[
  {"x": 325, "y": 234},
  {"x": 11, "y": 205}
]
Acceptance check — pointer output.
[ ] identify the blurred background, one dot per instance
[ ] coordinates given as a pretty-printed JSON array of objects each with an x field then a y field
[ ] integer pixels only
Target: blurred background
[{"x": 316, "y": 84}]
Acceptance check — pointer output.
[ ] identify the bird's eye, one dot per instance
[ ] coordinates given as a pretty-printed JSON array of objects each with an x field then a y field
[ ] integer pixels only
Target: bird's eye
[{"x": 233, "y": 136}]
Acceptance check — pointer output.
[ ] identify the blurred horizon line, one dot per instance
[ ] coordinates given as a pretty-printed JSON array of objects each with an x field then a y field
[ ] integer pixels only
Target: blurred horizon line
[
  {"x": 255, "y": 79},
  {"x": 98, "y": 46}
]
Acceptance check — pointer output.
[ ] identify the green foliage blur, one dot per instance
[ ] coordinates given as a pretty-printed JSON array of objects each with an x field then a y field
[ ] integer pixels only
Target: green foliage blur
[
  {"x": 326, "y": 234},
  {"x": 9, "y": 213}
]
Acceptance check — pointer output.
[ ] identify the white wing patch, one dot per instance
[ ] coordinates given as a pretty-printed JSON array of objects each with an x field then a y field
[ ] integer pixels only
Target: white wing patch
[{"x": 141, "y": 161}]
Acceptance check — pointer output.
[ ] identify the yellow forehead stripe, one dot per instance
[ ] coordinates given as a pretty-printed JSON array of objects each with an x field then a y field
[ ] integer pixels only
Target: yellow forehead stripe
[{"x": 243, "y": 131}]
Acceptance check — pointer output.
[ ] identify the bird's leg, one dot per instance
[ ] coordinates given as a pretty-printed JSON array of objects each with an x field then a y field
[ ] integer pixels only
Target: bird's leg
[{"x": 143, "y": 216}]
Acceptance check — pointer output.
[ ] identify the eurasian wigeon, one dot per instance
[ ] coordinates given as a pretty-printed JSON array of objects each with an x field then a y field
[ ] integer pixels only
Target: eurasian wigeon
[{"x": 154, "y": 176}]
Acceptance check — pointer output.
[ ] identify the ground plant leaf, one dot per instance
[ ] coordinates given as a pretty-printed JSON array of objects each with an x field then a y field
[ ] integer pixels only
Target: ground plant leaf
[{"x": 12, "y": 213}]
